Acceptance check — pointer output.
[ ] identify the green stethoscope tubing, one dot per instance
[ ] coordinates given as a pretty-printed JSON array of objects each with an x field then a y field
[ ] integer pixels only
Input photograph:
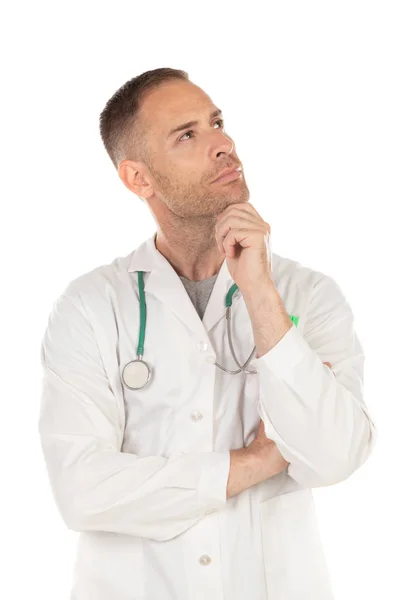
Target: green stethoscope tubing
[
  {"x": 143, "y": 311},
  {"x": 136, "y": 373},
  {"x": 228, "y": 304},
  {"x": 143, "y": 314}
]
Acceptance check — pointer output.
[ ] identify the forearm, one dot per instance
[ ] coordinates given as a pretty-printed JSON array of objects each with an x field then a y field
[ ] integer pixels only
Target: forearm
[
  {"x": 246, "y": 470},
  {"x": 151, "y": 496},
  {"x": 319, "y": 421},
  {"x": 268, "y": 315}
]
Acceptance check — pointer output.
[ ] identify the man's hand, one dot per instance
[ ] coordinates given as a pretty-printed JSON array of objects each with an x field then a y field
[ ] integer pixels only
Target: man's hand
[
  {"x": 265, "y": 452},
  {"x": 243, "y": 237}
]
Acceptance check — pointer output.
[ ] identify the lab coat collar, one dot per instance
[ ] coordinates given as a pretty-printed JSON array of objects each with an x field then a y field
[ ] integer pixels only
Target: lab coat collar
[{"x": 164, "y": 283}]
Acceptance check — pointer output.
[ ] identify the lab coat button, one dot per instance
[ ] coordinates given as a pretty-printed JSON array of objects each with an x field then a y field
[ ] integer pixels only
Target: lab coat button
[
  {"x": 204, "y": 559},
  {"x": 202, "y": 346},
  {"x": 196, "y": 416}
]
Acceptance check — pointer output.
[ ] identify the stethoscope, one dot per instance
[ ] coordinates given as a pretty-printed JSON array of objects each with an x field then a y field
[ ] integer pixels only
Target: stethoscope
[{"x": 136, "y": 373}]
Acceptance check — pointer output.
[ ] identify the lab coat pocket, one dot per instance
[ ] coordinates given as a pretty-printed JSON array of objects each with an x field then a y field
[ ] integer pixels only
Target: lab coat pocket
[{"x": 294, "y": 560}]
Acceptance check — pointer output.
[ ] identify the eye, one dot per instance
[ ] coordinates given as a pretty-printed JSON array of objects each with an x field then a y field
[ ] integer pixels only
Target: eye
[{"x": 191, "y": 130}]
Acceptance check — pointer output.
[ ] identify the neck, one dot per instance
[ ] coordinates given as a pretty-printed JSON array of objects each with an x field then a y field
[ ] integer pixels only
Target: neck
[{"x": 191, "y": 250}]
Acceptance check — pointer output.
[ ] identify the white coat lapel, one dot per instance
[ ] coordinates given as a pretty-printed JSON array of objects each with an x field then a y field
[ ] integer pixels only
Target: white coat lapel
[{"x": 164, "y": 283}]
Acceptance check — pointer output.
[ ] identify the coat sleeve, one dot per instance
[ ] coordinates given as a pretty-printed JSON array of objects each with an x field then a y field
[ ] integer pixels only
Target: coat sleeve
[
  {"x": 319, "y": 421},
  {"x": 95, "y": 485}
]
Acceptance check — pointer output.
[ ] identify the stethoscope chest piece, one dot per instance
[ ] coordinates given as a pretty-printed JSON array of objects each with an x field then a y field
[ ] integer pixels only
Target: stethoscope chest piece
[{"x": 136, "y": 374}]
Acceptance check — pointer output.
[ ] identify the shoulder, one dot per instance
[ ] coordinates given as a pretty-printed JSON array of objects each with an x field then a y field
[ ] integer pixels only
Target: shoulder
[
  {"x": 321, "y": 288},
  {"x": 94, "y": 292},
  {"x": 99, "y": 282},
  {"x": 290, "y": 271}
]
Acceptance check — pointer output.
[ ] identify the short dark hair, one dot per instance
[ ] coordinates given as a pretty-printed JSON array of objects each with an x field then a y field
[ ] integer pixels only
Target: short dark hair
[{"x": 119, "y": 128}]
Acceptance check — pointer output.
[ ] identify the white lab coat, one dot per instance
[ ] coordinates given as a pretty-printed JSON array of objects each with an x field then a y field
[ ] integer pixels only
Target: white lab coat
[{"x": 143, "y": 474}]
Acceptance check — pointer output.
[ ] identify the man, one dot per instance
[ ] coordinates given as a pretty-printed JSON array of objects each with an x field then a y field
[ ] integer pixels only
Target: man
[{"x": 196, "y": 482}]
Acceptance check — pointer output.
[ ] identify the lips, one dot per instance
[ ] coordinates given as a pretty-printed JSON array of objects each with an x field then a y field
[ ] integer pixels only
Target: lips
[{"x": 228, "y": 171}]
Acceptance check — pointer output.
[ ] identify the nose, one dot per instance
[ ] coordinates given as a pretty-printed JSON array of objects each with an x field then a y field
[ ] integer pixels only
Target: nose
[{"x": 223, "y": 144}]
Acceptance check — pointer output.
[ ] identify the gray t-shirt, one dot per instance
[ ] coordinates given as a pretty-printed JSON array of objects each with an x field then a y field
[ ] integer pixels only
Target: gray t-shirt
[{"x": 199, "y": 292}]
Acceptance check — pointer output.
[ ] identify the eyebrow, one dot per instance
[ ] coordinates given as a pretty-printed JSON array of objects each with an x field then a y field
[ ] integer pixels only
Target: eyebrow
[{"x": 215, "y": 113}]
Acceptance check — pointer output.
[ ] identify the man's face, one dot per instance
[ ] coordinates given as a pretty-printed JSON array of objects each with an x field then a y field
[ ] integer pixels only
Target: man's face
[{"x": 184, "y": 164}]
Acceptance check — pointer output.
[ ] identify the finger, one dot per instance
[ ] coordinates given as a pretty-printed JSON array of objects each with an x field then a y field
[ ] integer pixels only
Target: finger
[
  {"x": 225, "y": 218},
  {"x": 238, "y": 223},
  {"x": 237, "y": 213},
  {"x": 245, "y": 206},
  {"x": 330, "y": 366},
  {"x": 237, "y": 236}
]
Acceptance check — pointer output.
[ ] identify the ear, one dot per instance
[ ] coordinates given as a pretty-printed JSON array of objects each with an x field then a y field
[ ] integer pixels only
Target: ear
[{"x": 134, "y": 175}]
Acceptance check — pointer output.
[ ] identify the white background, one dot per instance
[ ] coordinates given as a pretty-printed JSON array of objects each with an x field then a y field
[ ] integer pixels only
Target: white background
[{"x": 310, "y": 94}]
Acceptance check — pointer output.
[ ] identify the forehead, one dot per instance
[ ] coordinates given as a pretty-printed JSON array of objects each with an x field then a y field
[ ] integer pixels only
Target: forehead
[{"x": 173, "y": 103}]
